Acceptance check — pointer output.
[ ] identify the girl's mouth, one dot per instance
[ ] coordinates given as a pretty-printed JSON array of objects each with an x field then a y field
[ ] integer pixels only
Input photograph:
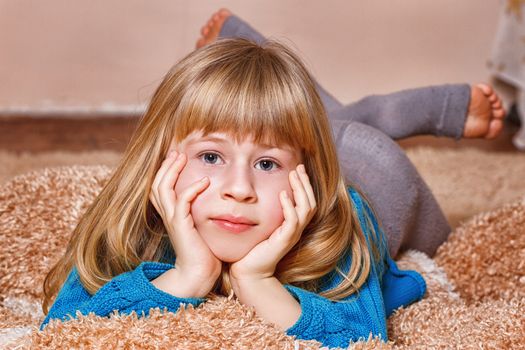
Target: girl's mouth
[{"x": 235, "y": 227}]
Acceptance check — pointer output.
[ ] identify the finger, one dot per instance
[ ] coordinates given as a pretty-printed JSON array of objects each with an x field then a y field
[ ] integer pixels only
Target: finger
[
  {"x": 493, "y": 98},
  {"x": 183, "y": 205},
  {"x": 290, "y": 232},
  {"x": 291, "y": 220},
  {"x": 183, "y": 219},
  {"x": 185, "y": 234},
  {"x": 167, "y": 196},
  {"x": 153, "y": 201},
  {"x": 299, "y": 193},
  {"x": 307, "y": 186},
  {"x": 168, "y": 161}
]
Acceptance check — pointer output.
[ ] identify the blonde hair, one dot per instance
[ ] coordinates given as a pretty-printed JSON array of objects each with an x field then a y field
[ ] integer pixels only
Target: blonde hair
[{"x": 239, "y": 87}]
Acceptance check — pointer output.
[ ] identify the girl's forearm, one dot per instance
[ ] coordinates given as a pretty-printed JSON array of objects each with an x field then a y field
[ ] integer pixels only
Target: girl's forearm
[{"x": 270, "y": 299}]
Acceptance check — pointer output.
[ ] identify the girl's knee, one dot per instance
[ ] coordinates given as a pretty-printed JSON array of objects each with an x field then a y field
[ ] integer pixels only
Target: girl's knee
[{"x": 366, "y": 151}]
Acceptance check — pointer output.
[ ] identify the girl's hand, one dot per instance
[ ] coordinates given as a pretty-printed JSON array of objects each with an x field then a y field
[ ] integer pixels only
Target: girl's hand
[
  {"x": 262, "y": 260},
  {"x": 195, "y": 262}
]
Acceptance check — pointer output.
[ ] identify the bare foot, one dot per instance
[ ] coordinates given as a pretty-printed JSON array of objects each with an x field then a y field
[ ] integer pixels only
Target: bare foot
[
  {"x": 210, "y": 31},
  {"x": 485, "y": 113}
]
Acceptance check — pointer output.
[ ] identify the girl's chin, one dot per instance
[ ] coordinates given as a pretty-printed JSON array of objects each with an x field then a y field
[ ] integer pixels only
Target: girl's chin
[
  {"x": 227, "y": 255},
  {"x": 229, "y": 251}
]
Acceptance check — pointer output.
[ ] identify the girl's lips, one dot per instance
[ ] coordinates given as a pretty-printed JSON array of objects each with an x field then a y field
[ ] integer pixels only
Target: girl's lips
[{"x": 232, "y": 226}]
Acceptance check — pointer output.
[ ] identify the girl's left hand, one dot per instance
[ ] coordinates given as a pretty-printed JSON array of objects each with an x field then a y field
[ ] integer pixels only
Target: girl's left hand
[{"x": 262, "y": 260}]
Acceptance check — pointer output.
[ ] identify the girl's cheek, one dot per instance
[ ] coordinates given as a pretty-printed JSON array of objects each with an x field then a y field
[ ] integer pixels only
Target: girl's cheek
[
  {"x": 270, "y": 199},
  {"x": 184, "y": 180},
  {"x": 193, "y": 172}
]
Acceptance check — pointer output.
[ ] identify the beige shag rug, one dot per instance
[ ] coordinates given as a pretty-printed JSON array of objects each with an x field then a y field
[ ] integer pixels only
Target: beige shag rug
[{"x": 476, "y": 282}]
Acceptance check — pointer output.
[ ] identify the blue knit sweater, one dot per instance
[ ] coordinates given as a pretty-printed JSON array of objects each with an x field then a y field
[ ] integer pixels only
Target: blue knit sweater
[{"x": 334, "y": 324}]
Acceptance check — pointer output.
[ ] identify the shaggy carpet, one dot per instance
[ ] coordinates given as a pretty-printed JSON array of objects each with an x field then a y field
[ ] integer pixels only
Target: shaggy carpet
[{"x": 476, "y": 282}]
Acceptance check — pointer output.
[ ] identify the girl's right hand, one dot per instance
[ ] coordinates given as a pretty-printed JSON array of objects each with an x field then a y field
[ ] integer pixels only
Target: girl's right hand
[{"x": 195, "y": 265}]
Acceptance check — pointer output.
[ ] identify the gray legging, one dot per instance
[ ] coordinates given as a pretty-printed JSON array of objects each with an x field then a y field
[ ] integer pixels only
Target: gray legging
[{"x": 372, "y": 162}]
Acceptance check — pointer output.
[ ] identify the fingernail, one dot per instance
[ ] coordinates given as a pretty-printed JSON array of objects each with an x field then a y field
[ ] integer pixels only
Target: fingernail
[
  {"x": 285, "y": 195},
  {"x": 302, "y": 168},
  {"x": 204, "y": 179},
  {"x": 171, "y": 153}
]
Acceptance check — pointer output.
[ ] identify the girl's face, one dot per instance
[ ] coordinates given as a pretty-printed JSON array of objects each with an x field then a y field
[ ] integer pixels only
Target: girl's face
[{"x": 240, "y": 207}]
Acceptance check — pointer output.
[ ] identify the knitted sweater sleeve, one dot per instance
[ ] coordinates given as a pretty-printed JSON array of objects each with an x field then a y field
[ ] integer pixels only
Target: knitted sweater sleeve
[
  {"x": 336, "y": 323},
  {"x": 128, "y": 292},
  {"x": 435, "y": 110}
]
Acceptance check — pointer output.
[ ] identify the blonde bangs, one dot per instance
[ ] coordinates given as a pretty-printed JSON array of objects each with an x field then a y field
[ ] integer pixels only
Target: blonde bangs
[{"x": 248, "y": 96}]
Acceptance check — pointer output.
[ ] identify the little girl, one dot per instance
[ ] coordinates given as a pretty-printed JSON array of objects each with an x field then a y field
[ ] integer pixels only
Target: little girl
[{"x": 231, "y": 183}]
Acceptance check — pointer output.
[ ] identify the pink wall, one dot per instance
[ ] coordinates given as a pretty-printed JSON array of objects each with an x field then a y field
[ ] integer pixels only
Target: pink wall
[{"x": 113, "y": 53}]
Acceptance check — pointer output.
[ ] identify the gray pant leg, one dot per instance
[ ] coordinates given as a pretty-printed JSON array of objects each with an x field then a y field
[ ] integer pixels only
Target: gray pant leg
[
  {"x": 433, "y": 110},
  {"x": 408, "y": 212},
  {"x": 234, "y": 27}
]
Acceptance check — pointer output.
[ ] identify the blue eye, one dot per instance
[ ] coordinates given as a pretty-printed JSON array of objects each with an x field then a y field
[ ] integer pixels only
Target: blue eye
[
  {"x": 267, "y": 165},
  {"x": 210, "y": 158}
]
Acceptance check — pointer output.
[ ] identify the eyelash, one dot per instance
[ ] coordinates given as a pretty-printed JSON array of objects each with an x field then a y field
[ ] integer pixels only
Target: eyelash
[{"x": 276, "y": 164}]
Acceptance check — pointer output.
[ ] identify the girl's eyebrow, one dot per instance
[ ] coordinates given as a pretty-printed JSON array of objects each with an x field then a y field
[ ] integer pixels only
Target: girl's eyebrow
[
  {"x": 222, "y": 140},
  {"x": 208, "y": 139}
]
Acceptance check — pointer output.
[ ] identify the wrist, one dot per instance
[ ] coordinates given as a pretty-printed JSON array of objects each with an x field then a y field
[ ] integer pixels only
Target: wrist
[
  {"x": 269, "y": 298},
  {"x": 242, "y": 286},
  {"x": 176, "y": 283}
]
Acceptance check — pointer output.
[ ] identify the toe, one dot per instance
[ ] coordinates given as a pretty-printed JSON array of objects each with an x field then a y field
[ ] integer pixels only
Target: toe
[
  {"x": 200, "y": 43},
  {"x": 224, "y": 12},
  {"x": 499, "y": 113},
  {"x": 487, "y": 89},
  {"x": 223, "y": 18},
  {"x": 495, "y": 128},
  {"x": 213, "y": 26},
  {"x": 496, "y": 104}
]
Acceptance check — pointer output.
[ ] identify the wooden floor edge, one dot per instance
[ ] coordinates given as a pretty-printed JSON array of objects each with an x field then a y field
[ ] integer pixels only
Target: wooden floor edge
[
  {"x": 27, "y": 133},
  {"x": 50, "y": 133}
]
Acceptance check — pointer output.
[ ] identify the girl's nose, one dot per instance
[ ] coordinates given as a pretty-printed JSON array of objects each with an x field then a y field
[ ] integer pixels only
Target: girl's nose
[{"x": 238, "y": 185}]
